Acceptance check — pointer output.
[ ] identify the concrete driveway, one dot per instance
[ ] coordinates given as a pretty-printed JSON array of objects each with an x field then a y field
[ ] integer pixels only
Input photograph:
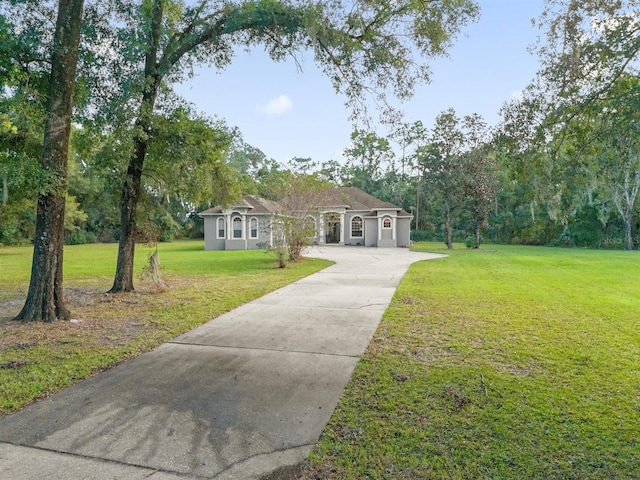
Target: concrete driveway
[{"x": 237, "y": 398}]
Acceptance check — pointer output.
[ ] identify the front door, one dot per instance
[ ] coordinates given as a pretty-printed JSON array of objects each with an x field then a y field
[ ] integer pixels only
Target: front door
[{"x": 332, "y": 222}]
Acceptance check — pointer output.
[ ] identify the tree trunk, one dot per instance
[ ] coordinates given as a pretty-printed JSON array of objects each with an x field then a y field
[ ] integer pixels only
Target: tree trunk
[
  {"x": 449, "y": 225},
  {"x": 478, "y": 236},
  {"x": 132, "y": 189},
  {"x": 152, "y": 271},
  {"x": 628, "y": 234},
  {"x": 417, "y": 223},
  {"x": 625, "y": 201},
  {"x": 5, "y": 191},
  {"x": 45, "y": 300}
]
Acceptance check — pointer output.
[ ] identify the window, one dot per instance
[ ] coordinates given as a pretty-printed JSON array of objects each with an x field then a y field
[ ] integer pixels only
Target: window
[
  {"x": 253, "y": 224},
  {"x": 237, "y": 227},
  {"x": 356, "y": 227},
  {"x": 386, "y": 223},
  {"x": 221, "y": 230}
]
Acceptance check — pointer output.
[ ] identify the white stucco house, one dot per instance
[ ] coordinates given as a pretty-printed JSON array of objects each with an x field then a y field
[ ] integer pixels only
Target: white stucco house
[{"x": 340, "y": 216}]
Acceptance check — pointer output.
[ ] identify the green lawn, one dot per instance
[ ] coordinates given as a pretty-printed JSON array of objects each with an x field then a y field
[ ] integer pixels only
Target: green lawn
[
  {"x": 499, "y": 363},
  {"x": 39, "y": 359}
]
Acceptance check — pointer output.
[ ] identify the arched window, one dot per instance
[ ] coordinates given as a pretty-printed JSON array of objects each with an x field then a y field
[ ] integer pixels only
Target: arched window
[
  {"x": 237, "y": 227},
  {"x": 356, "y": 227},
  {"x": 220, "y": 227},
  {"x": 253, "y": 228},
  {"x": 386, "y": 222}
]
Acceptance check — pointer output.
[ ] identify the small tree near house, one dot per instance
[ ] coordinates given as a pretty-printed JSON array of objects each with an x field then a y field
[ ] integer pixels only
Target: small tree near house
[{"x": 295, "y": 227}]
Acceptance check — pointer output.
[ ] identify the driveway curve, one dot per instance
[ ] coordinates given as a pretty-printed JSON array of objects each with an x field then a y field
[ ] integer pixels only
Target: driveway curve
[{"x": 239, "y": 397}]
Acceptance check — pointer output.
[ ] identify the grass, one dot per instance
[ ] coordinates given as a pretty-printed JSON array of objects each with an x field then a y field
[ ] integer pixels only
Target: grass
[
  {"x": 39, "y": 359},
  {"x": 499, "y": 363}
]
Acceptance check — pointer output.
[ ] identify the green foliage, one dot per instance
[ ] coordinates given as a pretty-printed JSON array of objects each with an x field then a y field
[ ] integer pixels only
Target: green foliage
[
  {"x": 370, "y": 155},
  {"x": 456, "y": 165},
  {"x": 22, "y": 104},
  {"x": 79, "y": 237},
  {"x": 509, "y": 362},
  {"x": 95, "y": 173},
  {"x": 299, "y": 194},
  {"x": 74, "y": 217},
  {"x": 573, "y": 135},
  {"x": 470, "y": 242},
  {"x": 155, "y": 222},
  {"x": 186, "y": 159},
  {"x": 6, "y": 127},
  {"x": 17, "y": 224},
  {"x": 421, "y": 235}
]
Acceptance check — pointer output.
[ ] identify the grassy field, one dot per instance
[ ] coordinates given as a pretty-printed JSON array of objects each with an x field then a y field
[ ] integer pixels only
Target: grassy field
[
  {"x": 39, "y": 359},
  {"x": 499, "y": 363}
]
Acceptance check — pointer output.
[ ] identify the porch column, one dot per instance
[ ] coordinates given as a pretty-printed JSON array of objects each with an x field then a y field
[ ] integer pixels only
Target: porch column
[
  {"x": 271, "y": 224},
  {"x": 244, "y": 230},
  {"x": 342, "y": 227},
  {"x": 393, "y": 228},
  {"x": 379, "y": 218},
  {"x": 321, "y": 229},
  {"x": 229, "y": 226}
]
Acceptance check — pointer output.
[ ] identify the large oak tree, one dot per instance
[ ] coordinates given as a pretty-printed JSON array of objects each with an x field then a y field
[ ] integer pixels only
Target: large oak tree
[{"x": 45, "y": 300}]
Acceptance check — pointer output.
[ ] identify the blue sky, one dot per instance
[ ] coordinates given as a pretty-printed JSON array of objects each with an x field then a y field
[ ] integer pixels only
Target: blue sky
[{"x": 288, "y": 113}]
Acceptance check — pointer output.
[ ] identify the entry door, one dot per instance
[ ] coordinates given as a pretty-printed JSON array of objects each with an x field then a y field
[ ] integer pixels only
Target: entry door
[{"x": 333, "y": 228}]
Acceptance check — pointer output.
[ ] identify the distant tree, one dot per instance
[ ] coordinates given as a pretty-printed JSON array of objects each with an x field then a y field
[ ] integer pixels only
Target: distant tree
[
  {"x": 331, "y": 171},
  {"x": 411, "y": 138},
  {"x": 369, "y": 156},
  {"x": 480, "y": 171},
  {"x": 444, "y": 168},
  {"x": 250, "y": 163},
  {"x": 7, "y": 131}
]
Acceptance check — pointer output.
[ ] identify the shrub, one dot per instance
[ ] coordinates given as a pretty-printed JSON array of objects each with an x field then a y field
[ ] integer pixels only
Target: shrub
[
  {"x": 80, "y": 237},
  {"x": 470, "y": 241}
]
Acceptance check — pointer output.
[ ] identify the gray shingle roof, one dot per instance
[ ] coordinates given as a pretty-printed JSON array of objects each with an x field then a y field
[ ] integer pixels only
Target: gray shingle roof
[
  {"x": 354, "y": 198},
  {"x": 350, "y": 197},
  {"x": 254, "y": 204}
]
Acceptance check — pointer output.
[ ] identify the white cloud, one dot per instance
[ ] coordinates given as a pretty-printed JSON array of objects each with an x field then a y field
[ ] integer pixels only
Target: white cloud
[{"x": 277, "y": 106}]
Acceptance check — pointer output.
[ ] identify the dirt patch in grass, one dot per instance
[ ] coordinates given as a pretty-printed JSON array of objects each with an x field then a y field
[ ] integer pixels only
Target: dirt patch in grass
[{"x": 89, "y": 306}]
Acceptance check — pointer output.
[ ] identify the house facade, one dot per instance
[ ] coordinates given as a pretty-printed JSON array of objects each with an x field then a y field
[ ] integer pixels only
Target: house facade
[{"x": 338, "y": 216}]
